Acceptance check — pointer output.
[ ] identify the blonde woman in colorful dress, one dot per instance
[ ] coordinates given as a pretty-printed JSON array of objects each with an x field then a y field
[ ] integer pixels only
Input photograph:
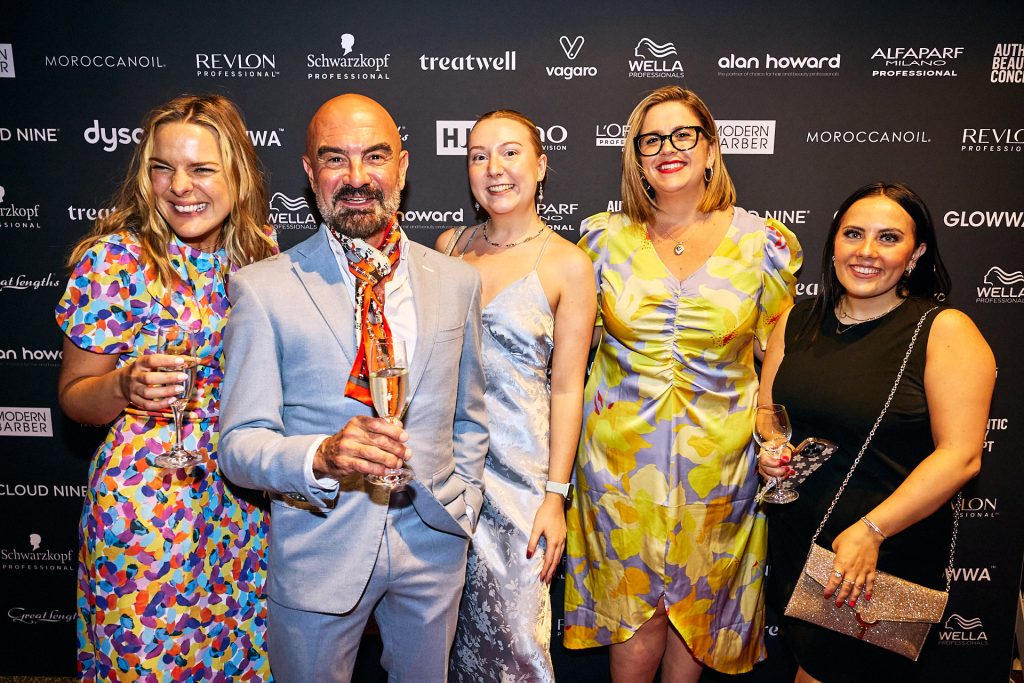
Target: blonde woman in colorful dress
[
  {"x": 172, "y": 561},
  {"x": 666, "y": 545},
  {"x": 537, "y": 322}
]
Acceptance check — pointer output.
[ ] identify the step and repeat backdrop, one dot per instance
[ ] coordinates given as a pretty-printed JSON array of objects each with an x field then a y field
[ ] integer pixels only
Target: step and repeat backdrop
[{"x": 812, "y": 100}]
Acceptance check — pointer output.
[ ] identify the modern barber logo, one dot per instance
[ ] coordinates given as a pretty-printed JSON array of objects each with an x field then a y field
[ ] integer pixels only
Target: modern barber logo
[
  {"x": 960, "y": 630},
  {"x": 31, "y": 617},
  {"x": 868, "y": 137},
  {"x": 746, "y": 137},
  {"x": 428, "y": 219},
  {"x": 995, "y": 424},
  {"x": 26, "y": 356},
  {"x": 111, "y": 138},
  {"x": 29, "y": 134},
  {"x": 343, "y": 65},
  {"x": 265, "y": 138},
  {"x": 25, "y": 422},
  {"x": 43, "y": 491},
  {"x": 33, "y": 554},
  {"x": 23, "y": 282},
  {"x": 291, "y": 214},
  {"x": 470, "y": 62},
  {"x": 983, "y": 219},
  {"x": 971, "y": 574},
  {"x": 1001, "y": 287},
  {"x": 611, "y": 134},
  {"x": 915, "y": 62},
  {"x": 972, "y": 508},
  {"x": 779, "y": 65},
  {"x": 15, "y": 217},
  {"x": 1007, "y": 63},
  {"x": 571, "y": 48},
  {"x": 236, "y": 65},
  {"x": 6, "y": 60},
  {"x": 654, "y": 60},
  {"x": 992, "y": 140},
  {"x": 104, "y": 62},
  {"x": 559, "y": 216}
]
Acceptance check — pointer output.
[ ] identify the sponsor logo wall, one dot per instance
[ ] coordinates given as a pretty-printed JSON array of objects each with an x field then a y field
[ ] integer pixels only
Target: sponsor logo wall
[{"x": 811, "y": 101}]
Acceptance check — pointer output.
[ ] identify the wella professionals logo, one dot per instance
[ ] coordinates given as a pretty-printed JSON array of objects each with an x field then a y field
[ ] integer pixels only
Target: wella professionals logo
[
  {"x": 959, "y": 630},
  {"x": 655, "y": 60},
  {"x": 1001, "y": 286},
  {"x": 291, "y": 214}
]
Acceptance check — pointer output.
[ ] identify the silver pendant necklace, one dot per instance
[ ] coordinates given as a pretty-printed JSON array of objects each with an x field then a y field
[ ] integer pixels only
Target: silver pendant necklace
[{"x": 857, "y": 321}]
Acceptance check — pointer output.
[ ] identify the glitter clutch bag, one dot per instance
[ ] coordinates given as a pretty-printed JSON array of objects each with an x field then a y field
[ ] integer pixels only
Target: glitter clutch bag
[{"x": 898, "y": 617}]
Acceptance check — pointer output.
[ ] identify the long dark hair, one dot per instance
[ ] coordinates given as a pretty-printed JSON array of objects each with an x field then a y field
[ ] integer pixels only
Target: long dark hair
[{"x": 929, "y": 279}]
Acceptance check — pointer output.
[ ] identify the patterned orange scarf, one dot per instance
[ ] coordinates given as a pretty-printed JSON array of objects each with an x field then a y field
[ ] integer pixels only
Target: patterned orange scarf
[{"x": 371, "y": 267}]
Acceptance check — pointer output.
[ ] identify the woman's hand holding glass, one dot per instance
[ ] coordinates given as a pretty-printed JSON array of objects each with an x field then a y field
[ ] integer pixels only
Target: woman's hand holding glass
[{"x": 147, "y": 383}]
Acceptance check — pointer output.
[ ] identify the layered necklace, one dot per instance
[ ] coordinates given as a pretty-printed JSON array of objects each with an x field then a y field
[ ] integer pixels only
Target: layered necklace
[
  {"x": 842, "y": 328},
  {"x": 509, "y": 245}
]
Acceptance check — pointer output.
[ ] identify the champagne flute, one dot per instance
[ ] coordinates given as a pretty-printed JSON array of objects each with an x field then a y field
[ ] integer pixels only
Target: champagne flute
[
  {"x": 174, "y": 340},
  {"x": 389, "y": 377},
  {"x": 772, "y": 431}
]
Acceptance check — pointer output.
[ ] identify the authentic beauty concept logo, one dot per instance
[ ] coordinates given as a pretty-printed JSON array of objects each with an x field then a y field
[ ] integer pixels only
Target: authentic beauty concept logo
[
  {"x": 6, "y": 60},
  {"x": 915, "y": 62},
  {"x": 655, "y": 60},
  {"x": 1008, "y": 63},
  {"x": 1001, "y": 287},
  {"x": 780, "y": 65},
  {"x": 347, "y": 66},
  {"x": 17, "y": 217}
]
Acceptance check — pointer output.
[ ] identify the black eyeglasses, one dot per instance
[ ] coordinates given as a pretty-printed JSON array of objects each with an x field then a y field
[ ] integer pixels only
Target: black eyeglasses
[{"x": 682, "y": 138}]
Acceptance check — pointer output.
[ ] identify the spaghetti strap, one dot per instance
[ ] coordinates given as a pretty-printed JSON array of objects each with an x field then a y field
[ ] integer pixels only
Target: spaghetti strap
[
  {"x": 455, "y": 240},
  {"x": 543, "y": 246}
]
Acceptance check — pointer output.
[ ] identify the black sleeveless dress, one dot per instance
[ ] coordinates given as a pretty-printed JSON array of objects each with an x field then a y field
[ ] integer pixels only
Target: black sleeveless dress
[{"x": 834, "y": 388}]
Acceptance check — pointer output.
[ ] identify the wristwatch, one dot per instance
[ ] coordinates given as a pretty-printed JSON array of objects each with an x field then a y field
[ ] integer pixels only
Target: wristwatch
[{"x": 564, "y": 490}]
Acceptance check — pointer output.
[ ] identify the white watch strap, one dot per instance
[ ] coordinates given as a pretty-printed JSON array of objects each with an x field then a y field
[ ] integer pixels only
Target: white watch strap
[{"x": 555, "y": 487}]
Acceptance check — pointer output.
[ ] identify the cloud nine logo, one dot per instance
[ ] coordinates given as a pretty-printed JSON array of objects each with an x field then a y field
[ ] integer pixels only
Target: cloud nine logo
[
  {"x": 1001, "y": 287},
  {"x": 651, "y": 60}
]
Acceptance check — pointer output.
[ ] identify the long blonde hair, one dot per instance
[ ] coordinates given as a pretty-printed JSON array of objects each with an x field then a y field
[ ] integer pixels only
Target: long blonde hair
[
  {"x": 245, "y": 234},
  {"x": 637, "y": 203}
]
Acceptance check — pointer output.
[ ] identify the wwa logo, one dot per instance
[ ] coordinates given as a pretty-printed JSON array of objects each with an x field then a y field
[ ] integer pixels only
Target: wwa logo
[
  {"x": 652, "y": 60},
  {"x": 1001, "y": 287},
  {"x": 291, "y": 214},
  {"x": 571, "y": 47},
  {"x": 265, "y": 138},
  {"x": 961, "y": 631},
  {"x": 969, "y": 574}
]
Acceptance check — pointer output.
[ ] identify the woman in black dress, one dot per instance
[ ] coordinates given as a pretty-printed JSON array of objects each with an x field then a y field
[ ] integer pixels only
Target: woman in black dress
[{"x": 832, "y": 362}]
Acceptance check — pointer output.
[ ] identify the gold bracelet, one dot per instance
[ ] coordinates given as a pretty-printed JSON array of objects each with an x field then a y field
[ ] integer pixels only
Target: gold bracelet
[{"x": 874, "y": 527}]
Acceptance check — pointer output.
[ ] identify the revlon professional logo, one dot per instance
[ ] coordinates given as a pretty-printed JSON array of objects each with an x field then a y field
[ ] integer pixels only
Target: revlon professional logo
[
  {"x": 347, "y": 66},
  {"x": 1008, "y": 63},
  {"x": 746, "y": 137},
  {"x": 6, "y": 60},
  {"x": 104, "y": 62},
  {"x": 915, "y": 62},
  {"x": 959, "y": 630},
  {"x": 780, "y": 65},
  {"x": 17, "y": 217},
  {"x": 1001, "y": 287},
  {"x": 654, "y": 60},
  {"x": 25, "y": 422},
  {"x": 992, "y": 140},
  {"x": 470, "y": 62},
  {"x": 291, "y": 214},
  {"x": 977, "y": 507},
  {"x": 237, "y": 65}
]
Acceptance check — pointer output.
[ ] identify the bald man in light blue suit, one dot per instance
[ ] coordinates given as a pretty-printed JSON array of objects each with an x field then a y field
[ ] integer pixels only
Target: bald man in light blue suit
[{"x": 341, "y": 548}]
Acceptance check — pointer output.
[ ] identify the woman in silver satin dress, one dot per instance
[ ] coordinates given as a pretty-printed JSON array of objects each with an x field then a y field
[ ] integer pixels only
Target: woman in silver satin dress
[{"x": 539, "y": 308}]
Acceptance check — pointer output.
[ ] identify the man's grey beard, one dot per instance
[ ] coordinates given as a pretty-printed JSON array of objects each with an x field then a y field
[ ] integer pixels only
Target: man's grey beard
[{"x": 360, "y": 223}]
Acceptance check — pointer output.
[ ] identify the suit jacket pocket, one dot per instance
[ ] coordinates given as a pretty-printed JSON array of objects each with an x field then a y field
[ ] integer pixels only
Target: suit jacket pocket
[{"x": 444, "y": 335}]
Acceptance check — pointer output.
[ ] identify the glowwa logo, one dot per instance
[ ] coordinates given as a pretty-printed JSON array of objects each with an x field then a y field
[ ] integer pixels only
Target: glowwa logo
[
  {"x": 1001, "y": 287},
  {"x": 470, "y": 62},
  {"x": 915, "y": 62},
  {"x": 655, "y": 60},
  {"x": 347, "y": 66},
  {"x": 960, "y": 630},
  {"x": 992, "y": 140},
  {"x": 291, "y": 214},
  {"x": 111, "y": 138},
  {"x": 236, "y": 65},
  {"x": 25, "y": 422},
  {"x": 983, "y": 219},
  {"x": 6, "y": 60},
  {"x": 34, "y": 555},
  {"x": 571, "y": 48},
  {"x": 1007, "y": 63},
  {"x": 17, "y": 217},
  {"x": 428, "y": 219},
  {"x": 746, "y": 137},
  {"x": 611, "y": 134},
  {"x": 779, "y": 65}
]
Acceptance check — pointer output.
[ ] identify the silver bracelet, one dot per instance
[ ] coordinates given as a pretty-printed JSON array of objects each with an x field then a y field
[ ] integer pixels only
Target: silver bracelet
[{"x": 874, "y": 527}]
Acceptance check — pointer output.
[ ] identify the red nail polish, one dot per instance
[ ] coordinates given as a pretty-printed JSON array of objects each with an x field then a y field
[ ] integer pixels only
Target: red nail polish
[
  {"x": 852, "y": 603},
  {"x": 529, "y": 554},
  {"x": 868, "y": 597},
  {"x": 839, "y": 603}
]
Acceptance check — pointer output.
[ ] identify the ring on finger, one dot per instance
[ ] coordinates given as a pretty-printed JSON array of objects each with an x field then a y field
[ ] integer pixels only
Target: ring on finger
[
  {"x": 838, "y": 574},
  {"x": 849, "y": 582}
]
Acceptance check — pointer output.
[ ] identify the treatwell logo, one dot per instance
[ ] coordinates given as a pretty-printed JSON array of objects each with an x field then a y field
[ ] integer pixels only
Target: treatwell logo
[
  {"x": 24, "y": 282},
  {"x": 610, "y": 134},
  {"x": 236, "y": 65},
  {"x": 470, "y": 62},
  {"x": 291, "y": 214},
  {"x": 746, "y": 137},
  {"x": 960, "y": 630},
  {"x": 6, "y": 60},
  {"x": 347, "y": 66},
  {"x": 870, "y": 137},
  {"x": 1001, "y": 287},
  {"x": 76, "y": 213},
  {"x": 34, "y": 555},
  {"x": 1007, "y": 63},
  {"x": 29, "y": 134},
  {"x": 992, "y": 140},
  {"x": 420, "y": 219},
  {"x": 17, "y": 217},
  {"x": 983, "y": 219},
  {"x": 21, "y": 615},
  {"x": 111, "y": 138},
  {"x": 571, "y": 48},
  {"x": 655, "y": 60},
  {"x": 25, "y": 422},
  {"x": 779, "y": 65},
  {"x": 104, "y": 62},
  {"x": 915, "y": 62},
  {"x": 559, "y": 216}
]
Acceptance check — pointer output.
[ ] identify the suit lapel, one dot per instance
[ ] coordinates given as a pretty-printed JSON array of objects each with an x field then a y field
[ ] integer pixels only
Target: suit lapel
[
  {"x": 426, "y": 287},
  {"x": 317, "y": 269}
]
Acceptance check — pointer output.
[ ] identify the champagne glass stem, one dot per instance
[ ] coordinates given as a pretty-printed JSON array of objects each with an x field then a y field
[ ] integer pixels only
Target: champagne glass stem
[{"x": 176, "y": 412}]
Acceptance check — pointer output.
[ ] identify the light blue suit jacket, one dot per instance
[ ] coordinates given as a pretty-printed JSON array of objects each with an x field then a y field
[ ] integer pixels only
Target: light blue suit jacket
[{"x": 289, "y": 346}]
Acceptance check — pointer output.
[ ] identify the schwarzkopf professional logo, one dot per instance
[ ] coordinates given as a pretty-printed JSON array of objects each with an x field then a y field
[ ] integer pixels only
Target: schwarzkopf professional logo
[
  {"x": 776, "y": 65},
  {"x": 17, "y": 217},
  {"x": 897, "y": 62},
  {"x": 237, "y": 65},
  {"x": 470, "y": 62},
  {"x": 746, "y": 137},
  {"x": 35, "y": 557},
  {"x": 104, "y": 62},
  {"x": 345, "y": 68},
  {"x": 291, "y": 214},
  {"x": 992, "y": 140},
  {"x": 1001, "y": 287},
  {"x": 571, "y": 47},
  {"x": 651, "y": 60},
  {"x": 1008, "y": 63},
  {"x": 6, "y": 60}
]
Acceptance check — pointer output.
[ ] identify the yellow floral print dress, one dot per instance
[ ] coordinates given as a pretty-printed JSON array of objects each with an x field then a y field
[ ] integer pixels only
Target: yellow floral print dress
[{"x": 665, "y": 472}]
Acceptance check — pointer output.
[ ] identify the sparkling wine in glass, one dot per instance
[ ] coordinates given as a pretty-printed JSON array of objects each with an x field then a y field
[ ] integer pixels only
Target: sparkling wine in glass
[
  {"x": 772, "y": 431},
  {"x": 389, "y": 380},
  {"x": 174, "y": 340}
]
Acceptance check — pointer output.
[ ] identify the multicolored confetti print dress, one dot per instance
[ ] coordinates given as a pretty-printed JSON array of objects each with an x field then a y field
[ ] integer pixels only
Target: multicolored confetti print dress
[
  {"x": 665, "y": 472},
  {"x": 171, "y": 562}
]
